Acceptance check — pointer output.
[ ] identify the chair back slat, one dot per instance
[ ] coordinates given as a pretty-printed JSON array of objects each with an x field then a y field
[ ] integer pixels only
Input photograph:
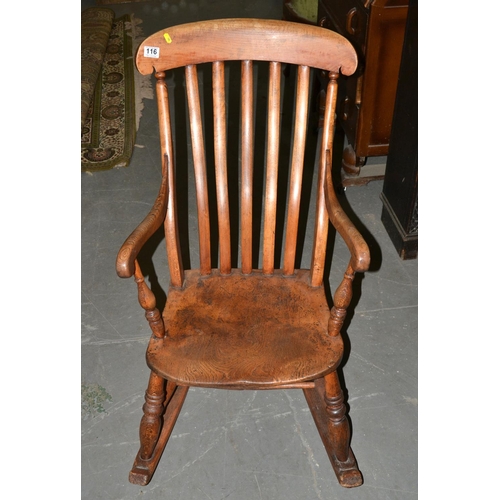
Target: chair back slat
[
  {"x": 220, "y": 147},
  {"x": 273, "y": 143},
  {"x": 247, "y": 158},
  {"x": 200, "y": 168},
  {"x": 246, "y": 41},
  {"x": 171, "y": 224},
  {"x": 297, "y": 167},
  {"x": 321, "y": 227}
]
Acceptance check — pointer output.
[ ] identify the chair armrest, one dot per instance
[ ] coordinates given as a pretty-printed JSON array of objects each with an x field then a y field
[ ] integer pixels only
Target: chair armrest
[
  {"x": 360, "y": 254},
  {"x": 125, "y": 261}
]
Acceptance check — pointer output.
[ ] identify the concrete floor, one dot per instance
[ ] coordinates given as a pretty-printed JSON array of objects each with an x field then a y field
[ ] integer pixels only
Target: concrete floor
[{"x": 238, "y": 444}]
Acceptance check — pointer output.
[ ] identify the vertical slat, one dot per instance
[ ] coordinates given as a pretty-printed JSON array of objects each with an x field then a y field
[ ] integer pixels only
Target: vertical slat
[
  {"x": 200, "y": 169},
  {"x": 220, "y": 148},
  {"x": 299, "y": 144},
  {"x": 246, "y": 165},
  {"x": 171, "y": 228},
  {"x": 273, "y": 136},
  {"x": 321, "y": 228}
]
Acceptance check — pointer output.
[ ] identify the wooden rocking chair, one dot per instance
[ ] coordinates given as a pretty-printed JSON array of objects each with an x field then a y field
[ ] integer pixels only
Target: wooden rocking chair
[{"x": 245, "y": 328}]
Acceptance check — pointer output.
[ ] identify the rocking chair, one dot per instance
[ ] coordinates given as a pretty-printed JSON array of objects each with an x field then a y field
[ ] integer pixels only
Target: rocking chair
[{"x": 237, "y": 326}]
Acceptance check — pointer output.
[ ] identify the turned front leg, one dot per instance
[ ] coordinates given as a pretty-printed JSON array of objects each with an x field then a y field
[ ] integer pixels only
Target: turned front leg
[
  {"x": 334, "y": 397},
  {"x": 351, "y": 162},
  {"x": 151, "y": 421},
  {"x": 338, "y": 424}
]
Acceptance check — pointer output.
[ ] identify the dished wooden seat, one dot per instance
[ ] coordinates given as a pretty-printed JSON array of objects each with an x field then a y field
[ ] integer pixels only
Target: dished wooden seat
[
  {"x": 228, "y": 331},
  {"x": 238, "y": 327}
]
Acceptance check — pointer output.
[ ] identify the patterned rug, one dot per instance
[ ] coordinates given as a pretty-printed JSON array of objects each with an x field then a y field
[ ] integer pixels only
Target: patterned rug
[
  {"x": 108, "y": 133},
  {"x": 96, "y": 27}
]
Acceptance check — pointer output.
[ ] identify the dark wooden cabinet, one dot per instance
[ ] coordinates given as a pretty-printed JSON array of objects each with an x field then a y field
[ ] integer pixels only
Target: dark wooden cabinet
[
  {"x": 400, "y": 189},
  {"x": 365, "y": 106}
]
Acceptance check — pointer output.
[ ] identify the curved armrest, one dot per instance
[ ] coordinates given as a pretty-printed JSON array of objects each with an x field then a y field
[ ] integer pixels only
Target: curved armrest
[
  {"x": 125, "y": 262},
  {"x": 360, "y": 254}
]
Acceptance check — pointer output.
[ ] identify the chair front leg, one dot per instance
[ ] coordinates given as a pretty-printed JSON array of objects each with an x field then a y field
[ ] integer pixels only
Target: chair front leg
[
  {"x": 161, "y": 409},
  {"x": 339, "y": 432},
  {"x": 151, "y": 422},
  {"x": 337, "y": 420}
]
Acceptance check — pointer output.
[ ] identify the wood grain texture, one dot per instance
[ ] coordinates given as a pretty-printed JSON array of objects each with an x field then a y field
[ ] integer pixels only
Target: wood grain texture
[
  {"x": 143, "y": 470},
  {"x": 175, "y": 264},
  {"x": 360, "y": 253},
  {"x": 147, "y": 300},
  {"x": 272, "y": 157},
  {"x": 247, "y": 39},
  {"x": 347, "y": 472},
  {"x": 321, "y": 226},
  {"x": 220, "y": 147},
  {"x": 247, "y": 158},
  {"x": 297, "y": 167},
  {"x": 245, "y": 331},
  {"x": 200, "y": 166},
  {"x": 151, "y": 421}
]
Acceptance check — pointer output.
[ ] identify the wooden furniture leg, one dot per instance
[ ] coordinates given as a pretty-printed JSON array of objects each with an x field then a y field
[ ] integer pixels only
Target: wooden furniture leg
[
  {"x": 351, "y": 163},
  {"x": 161, "y": 410},
  {"x": 326, "y": 403}
]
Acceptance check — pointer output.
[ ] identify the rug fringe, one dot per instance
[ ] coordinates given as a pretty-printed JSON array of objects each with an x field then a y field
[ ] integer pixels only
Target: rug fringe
[{"x": 143, "y": 83}]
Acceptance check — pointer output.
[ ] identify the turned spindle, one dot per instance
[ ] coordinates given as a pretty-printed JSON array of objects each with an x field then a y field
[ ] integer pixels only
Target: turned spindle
[
  {"x": 151, "y": 421},
  {"x": 337, "y": 421},
  {"x": 147, "y": 301},
  {"x": 341, "y": 300}
]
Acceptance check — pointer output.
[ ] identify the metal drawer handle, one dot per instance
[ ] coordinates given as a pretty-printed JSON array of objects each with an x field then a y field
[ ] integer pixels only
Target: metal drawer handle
[
  {"x": 346, "y": 110},
  {"x": 352, "y": 25}
]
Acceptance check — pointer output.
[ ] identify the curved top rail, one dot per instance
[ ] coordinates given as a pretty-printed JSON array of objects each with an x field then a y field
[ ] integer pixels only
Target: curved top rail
[{"x": 246, "y": 39}]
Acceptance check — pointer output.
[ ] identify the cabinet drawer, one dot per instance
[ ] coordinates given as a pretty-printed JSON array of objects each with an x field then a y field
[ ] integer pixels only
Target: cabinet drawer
[{"x": 347, "y": 17}]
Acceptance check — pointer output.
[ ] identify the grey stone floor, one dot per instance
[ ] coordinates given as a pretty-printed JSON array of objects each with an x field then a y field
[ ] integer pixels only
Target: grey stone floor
[{"x": 238, "y": 444}]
